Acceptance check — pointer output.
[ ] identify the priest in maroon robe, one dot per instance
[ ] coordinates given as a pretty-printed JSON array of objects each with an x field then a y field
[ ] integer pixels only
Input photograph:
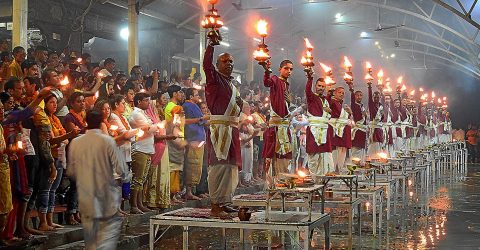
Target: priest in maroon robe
[
  {"x": 359, "y": 129},
  {"x": 224, "y": 102},
  {"x": 277, "y": 147},
  {"x": 319, "y": 132},
  {"x": 375, "y": 109},
  {"x": 341, "y": 124}
]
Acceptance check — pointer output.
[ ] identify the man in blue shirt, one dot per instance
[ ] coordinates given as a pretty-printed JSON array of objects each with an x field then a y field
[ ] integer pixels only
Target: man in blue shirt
[{"x": 195, "y": 136}]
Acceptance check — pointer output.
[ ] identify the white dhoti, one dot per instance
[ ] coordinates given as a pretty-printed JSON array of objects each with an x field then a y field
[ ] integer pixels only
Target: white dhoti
[
  {"x": 320, "y": 163},
  {"x": 222, "y": 182},
  {"x": 247, "y": 163},
  {"x": 391, "y": 150},
  {"x": 339, "y": 155}
]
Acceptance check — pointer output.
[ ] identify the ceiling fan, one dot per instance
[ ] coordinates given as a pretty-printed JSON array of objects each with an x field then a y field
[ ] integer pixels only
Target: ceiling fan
[{"x": 239, "y": 7}]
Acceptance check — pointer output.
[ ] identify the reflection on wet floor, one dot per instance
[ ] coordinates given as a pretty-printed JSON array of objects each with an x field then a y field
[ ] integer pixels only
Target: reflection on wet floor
[{"x": 446, "y": 217}]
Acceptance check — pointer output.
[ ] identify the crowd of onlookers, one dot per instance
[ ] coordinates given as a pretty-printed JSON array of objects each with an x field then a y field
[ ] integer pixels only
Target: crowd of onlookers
[{"x": 160, "y": 127}]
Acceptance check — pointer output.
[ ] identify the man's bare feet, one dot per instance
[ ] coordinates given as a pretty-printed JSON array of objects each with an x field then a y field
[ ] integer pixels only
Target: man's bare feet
[
  {"x": 46, "y": 228},
  {"x": 144, "y": 209},
  {"x": 34, "y": 231},
  {"x": 78, "y": 217},
  {"x": 55, "y": 225},
  {"x": 203, "y": 196},
  {"x": 71, "y": 220},
  {"x": 135, "y": 210},
  {"x": 192, "y": 197}
]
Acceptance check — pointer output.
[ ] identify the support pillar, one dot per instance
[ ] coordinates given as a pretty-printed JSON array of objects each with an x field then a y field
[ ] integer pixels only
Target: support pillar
[
  {"x": 250, "y": 64},
  {"x": 20, "y": 23},
  {"x": 202, "y": 51},
  {"x": 133, "y": 35}
]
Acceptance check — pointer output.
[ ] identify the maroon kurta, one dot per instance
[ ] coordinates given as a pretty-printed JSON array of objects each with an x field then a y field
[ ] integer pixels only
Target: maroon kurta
[
  {"x": 441, "y": 125},
  {"x": 346, "y": 140},
  {"x": 422, "y": 121},
  {"x": 403, "y": 115},
  {"x": 278, "y": 88},
  {"x": 387, "y": 110},
  {"x": 373, "y": 109},
  {"x": 218, "y": 94},
  {"x": 315, "y": 108},
  {"x": 395, "y": 118},
  {"x": 360, "y": 137}
]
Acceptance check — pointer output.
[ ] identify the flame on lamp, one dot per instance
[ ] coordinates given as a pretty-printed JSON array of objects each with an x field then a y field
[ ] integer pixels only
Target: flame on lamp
[
  {"x": 301, "y": 174},
  {"x": 250, "y": 118},
  {"x": 380, "y": 74},
  {"x": 412, "y": 92},
  {"x": 403, "y": 88},
  {"x": 140, "y": 133},
  {"x": 65, "y": 81},
  {"x": 212, "y": 1},
  {"x": 329, "y": 80},
  {"x": 113, "y": 127},
  {"x": 433, "y": 94},
  {"x": 262, "y": 27},
  {"x": 439, "y": 100},
  {"x": 79, "y": 60},
  {"x": 368, "y": 66},
  {"x": 19, "y": 144},
  {"x": 420, "y": 89},
  {"x": 383, "y": 155},
  {"x": 400, "y": 79},
  {"x": 260, "y": 54},
  {"x": 444, "y": 98},
  {"x": 308, "y": 44},
  {"x": 347, "y": 63},
  {"x": 326, "y": 68}
]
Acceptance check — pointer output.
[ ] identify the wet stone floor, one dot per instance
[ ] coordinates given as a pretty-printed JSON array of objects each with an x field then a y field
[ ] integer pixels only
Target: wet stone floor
[{"x": 447, "y": 217}]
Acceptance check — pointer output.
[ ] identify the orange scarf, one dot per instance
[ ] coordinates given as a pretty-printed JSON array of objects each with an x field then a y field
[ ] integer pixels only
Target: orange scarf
[
  {"x": 124, "y": 121},
  {"x": 57, "y": 127},
  {"x": 80, "y": 117}
]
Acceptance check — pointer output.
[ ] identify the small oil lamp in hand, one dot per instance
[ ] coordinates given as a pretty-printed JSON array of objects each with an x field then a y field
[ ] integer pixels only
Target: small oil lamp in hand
[
  {"x": 380, "y": 79},
  {"x": 368, "y": 76},
  {"x": 261, "y": 53},
  {"x": 329, "y": 81},
  {"x": 348, "y": 76},
  {"x": 212, "y": 21},
  {"x": 307, "y": 59}
]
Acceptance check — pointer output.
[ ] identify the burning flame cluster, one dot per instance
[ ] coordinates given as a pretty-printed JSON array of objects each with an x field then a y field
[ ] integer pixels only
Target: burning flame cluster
[
  {"x": 261, "y": 53},
  {"x": 307, "y": 59},
  {"x": 212, "y": 19}
]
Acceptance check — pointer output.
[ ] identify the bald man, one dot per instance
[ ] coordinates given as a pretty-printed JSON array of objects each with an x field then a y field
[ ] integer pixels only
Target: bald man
[{"x": 224, "y": 155}]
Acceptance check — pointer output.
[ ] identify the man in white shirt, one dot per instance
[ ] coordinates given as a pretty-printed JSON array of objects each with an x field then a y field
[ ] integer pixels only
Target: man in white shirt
[
  {"x": 142, "y": 151},
  {"x": 98, "y": 179}
]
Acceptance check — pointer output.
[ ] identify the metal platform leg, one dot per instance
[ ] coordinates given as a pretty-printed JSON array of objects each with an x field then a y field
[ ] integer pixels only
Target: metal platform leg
[{"x": 185, "y": 238}]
